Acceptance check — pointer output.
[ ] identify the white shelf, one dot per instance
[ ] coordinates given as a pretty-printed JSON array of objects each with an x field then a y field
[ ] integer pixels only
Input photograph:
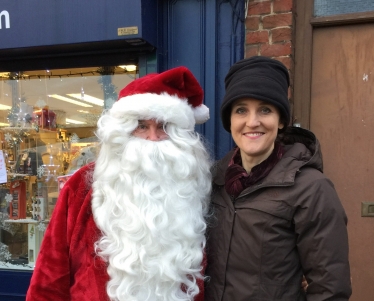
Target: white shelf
[
  {"x": 24, "y": 221},
  {"x": 17, "y": 128},
  {"x": 29, "y": 129},
  {"x": 19, "y": 174},
  {"x": 21, "y": 221}
]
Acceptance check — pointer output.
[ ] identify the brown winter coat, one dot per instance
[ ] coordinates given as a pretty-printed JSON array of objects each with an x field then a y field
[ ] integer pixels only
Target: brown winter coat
[{"x": 291, "y": 223}]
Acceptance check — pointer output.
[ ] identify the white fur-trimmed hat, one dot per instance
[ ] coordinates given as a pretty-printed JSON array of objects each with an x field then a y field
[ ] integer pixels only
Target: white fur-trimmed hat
[{"x": 171, "y": 96}]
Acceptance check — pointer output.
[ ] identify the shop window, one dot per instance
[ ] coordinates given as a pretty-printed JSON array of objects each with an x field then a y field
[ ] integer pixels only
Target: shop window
[
  {"x": 323, "y": 8},
  {"x": 47, "y": 124}
]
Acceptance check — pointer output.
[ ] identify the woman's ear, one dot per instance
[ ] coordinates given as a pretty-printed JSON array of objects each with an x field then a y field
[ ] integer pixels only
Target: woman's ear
[{"x": 281, "y": 125}]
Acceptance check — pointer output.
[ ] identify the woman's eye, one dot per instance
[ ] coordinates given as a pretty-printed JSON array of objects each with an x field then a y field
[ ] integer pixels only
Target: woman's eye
[
  {"x": 265, "y": 110},
  {"x": 240, "y": 110}
]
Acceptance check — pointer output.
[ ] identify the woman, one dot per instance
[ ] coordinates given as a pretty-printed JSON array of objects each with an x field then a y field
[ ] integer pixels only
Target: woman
[{"x": 276, "y": 217}]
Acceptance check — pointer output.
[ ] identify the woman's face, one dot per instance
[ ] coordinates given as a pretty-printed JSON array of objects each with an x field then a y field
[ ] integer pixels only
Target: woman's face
[{"x": 254, "y": 128}]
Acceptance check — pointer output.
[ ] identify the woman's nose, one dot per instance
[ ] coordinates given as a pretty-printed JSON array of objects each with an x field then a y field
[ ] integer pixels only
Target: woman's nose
[{"x": 252, "y": 120}]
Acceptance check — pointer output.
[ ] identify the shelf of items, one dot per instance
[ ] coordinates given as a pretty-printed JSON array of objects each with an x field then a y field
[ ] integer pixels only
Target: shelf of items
[
  {"x": 35, "y": 234},
  {"x": 12, "y": 174},
  {"x": 21, "y": 221},
  {"x": 18, "y": 128},
  {"x": 38, "y": 163},
  {"x": 25, "y": 221},
  {"x": 30, "y": 130}
]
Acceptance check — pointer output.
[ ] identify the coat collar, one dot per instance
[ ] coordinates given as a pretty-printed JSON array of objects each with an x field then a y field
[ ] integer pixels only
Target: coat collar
[{"x": 301, "y": 149}]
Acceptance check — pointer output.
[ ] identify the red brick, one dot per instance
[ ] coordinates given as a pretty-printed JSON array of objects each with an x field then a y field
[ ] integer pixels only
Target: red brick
[
  {"x": 281, "y": 6},
  {"x": 254, "y": 37},
  {"x": 252, "y": 23},
  {"x": 281, "y": 34},
  {"x": 251, "y": 50},
  {"x": 275, "y": 50},
  {"x": 278, "y": 20},
  {"x": 259, "y": 8},
  {"x": 286, "y": 60}
]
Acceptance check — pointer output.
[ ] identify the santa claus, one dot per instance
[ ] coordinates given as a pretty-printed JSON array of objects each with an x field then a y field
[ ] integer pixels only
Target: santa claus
[{"x": 131, "y": 226}]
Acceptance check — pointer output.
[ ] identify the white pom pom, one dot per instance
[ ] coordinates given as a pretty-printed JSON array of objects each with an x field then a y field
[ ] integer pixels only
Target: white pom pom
[{"x": 201, "y": 114}]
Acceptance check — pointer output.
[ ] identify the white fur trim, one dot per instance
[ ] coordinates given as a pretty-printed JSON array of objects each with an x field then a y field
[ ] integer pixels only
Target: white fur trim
[
  {"x": 164, "y": 107},
  {"x": 201, "y": 114}
]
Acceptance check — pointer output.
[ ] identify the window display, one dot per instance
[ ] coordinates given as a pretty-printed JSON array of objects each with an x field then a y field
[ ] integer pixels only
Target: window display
[{"x": 47, "y": 124}]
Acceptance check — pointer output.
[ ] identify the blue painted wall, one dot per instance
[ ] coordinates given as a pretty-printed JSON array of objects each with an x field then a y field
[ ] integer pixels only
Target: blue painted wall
[
  {"x": 13, "y": 285},
  {"x": 207, "y": 37}
]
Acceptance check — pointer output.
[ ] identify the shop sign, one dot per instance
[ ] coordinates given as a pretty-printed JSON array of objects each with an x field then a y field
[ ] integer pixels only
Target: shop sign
[{"x": 31, "y": 23}]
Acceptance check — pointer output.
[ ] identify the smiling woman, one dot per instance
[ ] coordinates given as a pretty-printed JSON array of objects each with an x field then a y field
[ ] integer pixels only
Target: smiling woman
[
  {"x": 254, "y": 127},
  {"x": 272, "y": 204}
]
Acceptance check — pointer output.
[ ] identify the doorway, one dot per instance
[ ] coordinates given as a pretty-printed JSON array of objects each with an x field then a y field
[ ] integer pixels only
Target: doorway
[
  {"x": 342, "y": 117},
  {"x": 334, "y": 97}
]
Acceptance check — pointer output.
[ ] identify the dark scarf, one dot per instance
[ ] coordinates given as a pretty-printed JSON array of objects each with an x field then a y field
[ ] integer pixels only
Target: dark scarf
[{"x": 237, "y": 179}]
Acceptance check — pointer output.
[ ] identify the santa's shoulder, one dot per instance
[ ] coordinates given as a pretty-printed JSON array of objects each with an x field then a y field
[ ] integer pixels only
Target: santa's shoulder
[{"x": 81, "y": 180}]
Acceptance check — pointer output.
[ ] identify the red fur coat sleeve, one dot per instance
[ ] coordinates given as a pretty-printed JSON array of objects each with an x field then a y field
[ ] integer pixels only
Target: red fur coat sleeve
[
  {"x": 66, "y": 267},
  {"x": 51, "y": 277}
]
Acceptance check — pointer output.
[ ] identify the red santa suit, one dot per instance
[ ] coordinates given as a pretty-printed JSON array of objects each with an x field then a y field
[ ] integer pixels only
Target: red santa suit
[
  {"x": 70, "y": 265},
  {"x": 67, "y": 267}
]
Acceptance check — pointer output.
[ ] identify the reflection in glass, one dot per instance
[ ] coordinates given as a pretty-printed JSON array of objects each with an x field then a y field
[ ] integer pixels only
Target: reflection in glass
[
  {"x": 62, "y": 98},
  {"x": 323, "y": 8},
  {"x": 47, "y": 124}
]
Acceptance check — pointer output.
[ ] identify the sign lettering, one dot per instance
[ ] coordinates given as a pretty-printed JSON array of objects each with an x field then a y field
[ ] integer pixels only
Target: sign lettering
[
  {"x": 4, "y": 14},
  {"x": 125, "y": 31}
]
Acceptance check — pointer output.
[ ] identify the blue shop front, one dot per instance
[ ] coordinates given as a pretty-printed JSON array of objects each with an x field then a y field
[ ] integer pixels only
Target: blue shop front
[{"x": 61, "y": 64}]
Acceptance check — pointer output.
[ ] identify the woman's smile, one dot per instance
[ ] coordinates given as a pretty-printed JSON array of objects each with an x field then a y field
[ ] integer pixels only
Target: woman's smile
[{"x": 254, "y": 128}]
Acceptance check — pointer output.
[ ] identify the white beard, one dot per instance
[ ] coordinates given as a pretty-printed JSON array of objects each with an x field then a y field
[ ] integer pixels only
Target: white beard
[{"x": 149, "y": 201}]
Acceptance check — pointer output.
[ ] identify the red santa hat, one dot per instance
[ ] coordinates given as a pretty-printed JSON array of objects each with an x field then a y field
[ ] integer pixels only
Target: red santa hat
[{"x": 171, "y": 96}]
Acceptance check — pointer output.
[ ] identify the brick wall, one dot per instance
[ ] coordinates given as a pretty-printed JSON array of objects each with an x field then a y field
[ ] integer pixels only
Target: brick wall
[
  {"x": 269, "y": 29},
  {"x": 269, "y": 32}
]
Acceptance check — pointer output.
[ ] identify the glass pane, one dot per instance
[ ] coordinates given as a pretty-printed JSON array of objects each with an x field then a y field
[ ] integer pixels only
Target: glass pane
[
  {"x": 47, "y": 124},
  {"x": 324, "y": 8}
]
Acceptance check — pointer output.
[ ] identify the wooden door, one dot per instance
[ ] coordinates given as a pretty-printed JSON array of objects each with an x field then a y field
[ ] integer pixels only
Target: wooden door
[{"x": 342, "y": 117}]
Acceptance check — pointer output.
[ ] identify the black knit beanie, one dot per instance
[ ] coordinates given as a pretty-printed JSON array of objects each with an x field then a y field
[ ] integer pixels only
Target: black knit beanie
[{"x": 257, "y": 77}]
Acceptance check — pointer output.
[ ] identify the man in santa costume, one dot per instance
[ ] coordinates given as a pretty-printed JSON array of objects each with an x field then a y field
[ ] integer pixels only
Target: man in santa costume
[{"x": 131, "y": 226}]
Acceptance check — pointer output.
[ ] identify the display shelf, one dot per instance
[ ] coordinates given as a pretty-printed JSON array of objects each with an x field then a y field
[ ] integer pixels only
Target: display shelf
[
  {"x": 29, "y": 129},
  {"x": 17, "y": 128},
  {"x": 21, "y": 221},
  {"x": 9, "y": 266},
  {"x": 36, "y": 158},
  {"x": 12, "y": 174},
  {"x": 25, "y": 221}
]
